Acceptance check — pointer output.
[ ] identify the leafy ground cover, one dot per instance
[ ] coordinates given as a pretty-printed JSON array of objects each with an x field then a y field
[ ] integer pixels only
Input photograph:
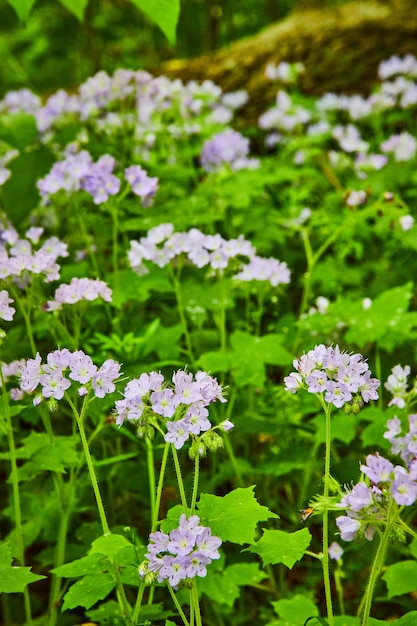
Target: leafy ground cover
[{"x": 208, "y": 354}]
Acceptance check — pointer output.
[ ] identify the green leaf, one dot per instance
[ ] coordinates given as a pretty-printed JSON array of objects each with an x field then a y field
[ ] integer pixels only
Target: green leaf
[
  {"x": 109, "y": 545},
  {"x": 222, "y": 586},
  {"x": 277, "y": 546},
  {"x": 18, "y": 130},
  {"x": 89, "y": 590},
  {"x": 19, "y": 193},
  {"x": 386, "y": 314},
  {"x": 234, "y": 517},
  {"x": 296, "y": 610},
  {"x": 77, "y": 7},
  {"x": 91, "y": 564},
  {"x": 45, "y": 455},
  {"x": 13, "y": 579},
  {"x": 164, "y": 13},
  {"x": 401, "y": 578},
  {"x": 409, "y": 619},
  {"x": 22, "y": 8}
]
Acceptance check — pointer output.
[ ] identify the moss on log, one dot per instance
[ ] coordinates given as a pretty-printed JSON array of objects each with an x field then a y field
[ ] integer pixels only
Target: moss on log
[{"x": 340, "y": 48}]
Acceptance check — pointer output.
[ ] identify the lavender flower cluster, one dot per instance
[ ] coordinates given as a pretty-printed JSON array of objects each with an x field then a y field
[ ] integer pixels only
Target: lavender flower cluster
[
  {"x": 153, "y": 104},
  {"x": 6, "y": 312},
  {"x": 343, "y": 379},
  {"x": 79, "y": 289},
  {"x": 186, "y": 402},
  {"x": 397, "y": 385},
  {"x": 182, "y": 554},
  {"x": 161, "y": 245},
  {"x": 227, "y": 148},
  {"x": 367, "y": 504},
  {"x": 21, "y": 263},
  {"x": 52, "y": 374},
  {"x": 78, "y": 171}
]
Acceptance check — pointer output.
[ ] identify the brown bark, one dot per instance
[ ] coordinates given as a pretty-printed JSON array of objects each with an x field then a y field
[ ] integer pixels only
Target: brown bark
[{"x": 340, "y": 47}]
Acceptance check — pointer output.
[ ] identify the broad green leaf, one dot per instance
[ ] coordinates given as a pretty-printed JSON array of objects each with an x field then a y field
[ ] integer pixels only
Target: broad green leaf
[
  {"x": 109, "y": 545},
  {"x": 13, "y": 579},
  {"x": 234, "y": 517},
  {"x": 401, "y": 578},
  {"x": 223, "y": 586},
  {"x": 91, "y": 564},
  {"x": 296, "y": 610},
  {"x": 22, "y": 8},
  {"x": 89, "y": 590},
  {"x": 409, "y": 619},
  {"x": 277, "y": 546},
  {"x": 77, "y": 7},
  {"x": 44, "y": 455},
  {"x": 18, "y": 130},
  {"x": 19, "y": 193},
  {"x": 164, "y": 13},
  {"x": 382, "y": 318}
]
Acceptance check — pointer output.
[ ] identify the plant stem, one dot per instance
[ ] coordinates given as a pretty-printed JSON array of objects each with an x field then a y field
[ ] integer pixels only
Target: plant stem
[
  {"x": 178, "y": 606},
  {"x": 325, "y": 557},
  {"x": 181, "y": 311},
  {"x": 195, "y": 485},
  {"x": 80, "y": 423},
  {"x": 17, "y": 510},
  {"x": 179, "y": 478},
  {"x": 151, "y": 475},
  {"x": 159, "y": 488},
  {"x": 377, "y": 567}
]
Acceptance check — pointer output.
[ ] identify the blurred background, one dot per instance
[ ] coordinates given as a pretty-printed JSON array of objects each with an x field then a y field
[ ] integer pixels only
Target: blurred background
[{"x": 55, "y": 50}]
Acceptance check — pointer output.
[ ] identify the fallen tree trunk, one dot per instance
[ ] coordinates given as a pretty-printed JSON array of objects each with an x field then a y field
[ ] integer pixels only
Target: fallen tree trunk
[{"x": 340, "y": 47}]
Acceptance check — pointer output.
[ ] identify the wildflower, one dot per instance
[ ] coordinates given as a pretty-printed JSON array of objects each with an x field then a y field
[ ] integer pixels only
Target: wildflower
[
  {"x": 348, "y": 527},
  {"x": 341, "y": 377},
  {"x": 6, "y": 312},
  {"x": 183, "y": 554},
  {"x": 397, "y": 385},
  {"x": 51, "y": 375},
  {"x": 79, "y": 289},
  {"x": 142, "y": 185},
  {"x": 403, "y": 146},
  {"x": 335, "y": 551},
  {"x": 406, "y": 222},
  {"x": 226, "y": 148}
]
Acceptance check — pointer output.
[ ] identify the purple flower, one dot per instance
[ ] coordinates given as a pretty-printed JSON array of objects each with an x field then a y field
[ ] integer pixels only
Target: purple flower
[
  {"x": 184, "y": 553},
  {"x": 142, "y": 185},
  {"x": 226, "y": 148},
  {"x": 54, "y": 384},
  {"x": 103, "y": 379},
  {"x": 335, "y": 551},
  {"x": 358, "y": 498},
  {"x": 82, "y": 367},
  {"x": 403, "y": 487},
  {"x": 378, "y": 469},
  {"x": 6, "y": 312},
  {"x": 348, "y": 527},
  {"x": 177, "y": 433}
]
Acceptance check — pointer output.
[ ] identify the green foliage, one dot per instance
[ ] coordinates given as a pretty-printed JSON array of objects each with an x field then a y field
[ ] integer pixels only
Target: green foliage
[
  {"x": 234, "y": 517},
  {"x": 277, "y": 546},
  {"x": 13, "y": 579},
  {"x": 164, "y": 13},
  {"x": 401, "y": 578}
]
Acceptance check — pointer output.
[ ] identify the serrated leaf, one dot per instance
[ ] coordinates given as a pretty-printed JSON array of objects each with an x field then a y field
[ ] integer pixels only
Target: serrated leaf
[
  {"x": 91, "y": 564},
  {"x": 22, "y": 8},
  {"x": 77, "y": 7},
  {"x": 234, "y": 517},
  {"x": 277, "y": 546},
  {"x": 164, "y": 13},
  {"x": 295, "y": 610},
  {"x": 89, "y": 590},
  {"x": 401, "y": 578},
  {"x": 110, "y": 545},
  {"x": 14, "y": 579}
]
